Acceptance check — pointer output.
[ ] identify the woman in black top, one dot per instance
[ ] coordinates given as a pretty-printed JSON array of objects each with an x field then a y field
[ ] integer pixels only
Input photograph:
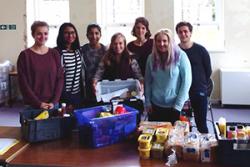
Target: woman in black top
[{"x": 142, "y": 46}]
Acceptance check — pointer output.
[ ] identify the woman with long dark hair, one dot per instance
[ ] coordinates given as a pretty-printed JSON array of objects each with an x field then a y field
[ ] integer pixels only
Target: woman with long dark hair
[{"x": 72, "y": 61}]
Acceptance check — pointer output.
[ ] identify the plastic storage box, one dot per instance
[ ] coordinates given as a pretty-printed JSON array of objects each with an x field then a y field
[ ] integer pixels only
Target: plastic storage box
[
  {"x": 97, "y": 132},
  {"x": 126, "y": 92},
  {"x": 123, "y": 89},
  {"x": 234, "y": 152},
  {"x": 48, "y": 129}
]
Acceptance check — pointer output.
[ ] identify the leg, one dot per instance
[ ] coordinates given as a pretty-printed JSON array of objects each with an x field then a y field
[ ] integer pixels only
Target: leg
[
  {"x": 199, "y": 104},
  {"x": 163, "y": 114}
]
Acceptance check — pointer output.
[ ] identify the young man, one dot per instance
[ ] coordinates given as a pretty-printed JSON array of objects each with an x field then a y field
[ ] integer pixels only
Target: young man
[{"x": 201, "y": 72}]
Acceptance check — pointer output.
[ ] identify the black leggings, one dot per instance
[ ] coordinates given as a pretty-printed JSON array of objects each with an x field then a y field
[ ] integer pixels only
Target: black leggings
[{"x": 163, "y": 114}]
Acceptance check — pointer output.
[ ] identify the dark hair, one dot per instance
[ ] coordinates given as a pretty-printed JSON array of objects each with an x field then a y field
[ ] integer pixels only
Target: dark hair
[
  {"x": 110, "y": 55},
  {"x": 60, "y": 38},
  {"x": 184, "y": 23},
  {"x": 38, "y": 24},
  {"x": 93, "y": 25},
  {"x": 145, "y": 22}
]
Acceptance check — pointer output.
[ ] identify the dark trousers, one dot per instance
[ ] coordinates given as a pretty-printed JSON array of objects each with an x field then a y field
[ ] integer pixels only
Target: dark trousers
[
  {"x": 76, "y": 100},
  {"x": 163, "y": 114},
  {"x": 199, "y": 103}
]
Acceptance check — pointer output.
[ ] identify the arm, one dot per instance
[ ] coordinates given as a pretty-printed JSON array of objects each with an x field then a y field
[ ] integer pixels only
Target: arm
[
  {"x": 148, "y": 82},
  {"x": 23, "y": 79},
  {"x": 98, "y": 75},
  {"x": 185, "y": 79},
  {"x": 137, "y": 72},
  {"x": 207, "y": 64},
  {"x": 59, "y": 79},
  {"x": 136, "y": 69}
]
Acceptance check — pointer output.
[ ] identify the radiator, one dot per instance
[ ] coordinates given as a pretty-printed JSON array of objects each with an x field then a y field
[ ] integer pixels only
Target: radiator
[{"x": 235, "y": 86}]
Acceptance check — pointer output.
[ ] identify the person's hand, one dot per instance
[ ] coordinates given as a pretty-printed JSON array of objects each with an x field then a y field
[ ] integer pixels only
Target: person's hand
[
  {"x": 94, "y": 83},
  {"x": 50, "y": 105},
  {"x": 141, "y": 87},
  {"x": 149, "y": 109},
  {"x": 44, "y": 106}
]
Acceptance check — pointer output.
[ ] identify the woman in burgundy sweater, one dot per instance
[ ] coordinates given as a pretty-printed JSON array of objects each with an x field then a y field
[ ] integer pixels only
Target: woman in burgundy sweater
[{"x": 40, "y": 74}]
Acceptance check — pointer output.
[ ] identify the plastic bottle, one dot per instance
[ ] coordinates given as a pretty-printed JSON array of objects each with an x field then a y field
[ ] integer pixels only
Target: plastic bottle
[
  {"x": 60, "y": 113},
  {"x": 64, "y": 110},
  {"x": 222, "y": 126},
  {"x": 231, "y": 133}
]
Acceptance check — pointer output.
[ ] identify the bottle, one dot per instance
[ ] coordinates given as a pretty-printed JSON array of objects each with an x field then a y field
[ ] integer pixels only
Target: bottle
[
  {"x": 222, "y": 127},
  {"x": 63, "y": 108},
  {"x": 60, "y": 113},
  {"x": 231, "y": 133}
]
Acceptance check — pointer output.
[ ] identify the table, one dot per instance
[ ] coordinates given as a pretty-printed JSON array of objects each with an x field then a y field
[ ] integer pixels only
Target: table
[
  {"x": 68, "y": 152},
  {"x": 12, "y": 132},
  {"x": 11, "y": 74}
]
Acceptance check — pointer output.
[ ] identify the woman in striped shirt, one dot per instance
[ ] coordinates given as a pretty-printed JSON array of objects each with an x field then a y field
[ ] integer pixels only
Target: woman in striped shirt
[{"x": 68, "y": 46}]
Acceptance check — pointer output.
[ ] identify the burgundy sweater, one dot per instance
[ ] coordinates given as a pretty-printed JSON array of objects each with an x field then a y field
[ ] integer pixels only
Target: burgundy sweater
[{"x": 40, "y": 77}]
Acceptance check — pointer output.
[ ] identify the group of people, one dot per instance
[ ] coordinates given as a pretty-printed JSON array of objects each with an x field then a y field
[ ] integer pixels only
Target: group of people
[{"x": 169, "y": 74}]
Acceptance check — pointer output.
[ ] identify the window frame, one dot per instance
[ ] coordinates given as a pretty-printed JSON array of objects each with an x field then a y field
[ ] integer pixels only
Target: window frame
[{"x": 217, "y": 38}]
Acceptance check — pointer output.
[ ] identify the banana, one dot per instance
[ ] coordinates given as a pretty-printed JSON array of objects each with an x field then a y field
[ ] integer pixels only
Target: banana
[
  {"x": 105, "y": 114},
  {"x": 42, "y": 115}
]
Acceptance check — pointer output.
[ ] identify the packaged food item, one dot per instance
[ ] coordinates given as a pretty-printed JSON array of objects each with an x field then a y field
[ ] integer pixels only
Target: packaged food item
[
  {"x": 157, "y": 150},
  {"x": 175, "y": 142},
  {"x": 191, "y": 147},
  {"x": 241, "y": 132},
  {"x": 248, "y": 131},
  {"x": 182, "y": 125},
  {"x": 144, "y": 152},
  {"x": 150, "y": 131},
  {"x": 145, "y": 141},
  {"x": 161, "y": 135},
  {"x": 208, "y": 148},
  {"x": 231, "y": 132}
]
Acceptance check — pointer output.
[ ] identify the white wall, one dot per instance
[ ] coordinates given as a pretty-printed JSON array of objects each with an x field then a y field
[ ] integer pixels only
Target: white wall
[
  {"x": 158, "y": 12},
  {"x": 12, "y": 41}
]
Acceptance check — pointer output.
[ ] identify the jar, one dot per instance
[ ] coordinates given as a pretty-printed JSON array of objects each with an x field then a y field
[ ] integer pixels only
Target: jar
[{"x": 231, "y": 133}]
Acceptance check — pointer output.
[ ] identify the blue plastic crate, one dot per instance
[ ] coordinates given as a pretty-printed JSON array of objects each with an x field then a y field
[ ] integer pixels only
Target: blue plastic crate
[{"x": 98, "y": 132}]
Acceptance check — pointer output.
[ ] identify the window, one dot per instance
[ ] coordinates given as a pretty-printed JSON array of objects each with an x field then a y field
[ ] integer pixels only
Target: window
[
  {"x": 54, "y": 12},
  {"x": 206, "y": 16},
  {"x": 118, "y": 16}
]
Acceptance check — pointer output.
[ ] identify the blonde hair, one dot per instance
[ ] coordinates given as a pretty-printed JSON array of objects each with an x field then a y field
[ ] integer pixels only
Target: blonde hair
[{"x": 165, "y": 60}]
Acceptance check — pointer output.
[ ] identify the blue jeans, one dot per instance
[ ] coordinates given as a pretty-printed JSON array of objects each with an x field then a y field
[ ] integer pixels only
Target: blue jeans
[{"x": 199, "y": 103}]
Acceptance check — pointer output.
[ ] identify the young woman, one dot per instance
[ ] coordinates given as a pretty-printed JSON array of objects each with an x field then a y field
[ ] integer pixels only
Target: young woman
[
  {"x": 92, "y": 54},
  {"x": 142, "y": 46},
  {"x": 74, "y": 68},
  {"x": 167, "y": 79},
  {"x": 40, "y": 74},
  {"x": 118, "y": 63}
]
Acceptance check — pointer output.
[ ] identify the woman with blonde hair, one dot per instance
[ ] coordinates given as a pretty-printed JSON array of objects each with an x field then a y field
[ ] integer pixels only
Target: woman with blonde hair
[{"x": 167, "y": 79}]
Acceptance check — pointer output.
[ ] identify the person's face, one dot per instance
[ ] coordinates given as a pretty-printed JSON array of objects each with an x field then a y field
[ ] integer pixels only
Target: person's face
[
  {"x": 162, "y": 43},
  {"x": 184, "y": 34},
  {"x": 41, "y": 35},
  {"x": 94, "y": 36},
  {"x": 69, "y": 35},
  {"x": 118, "y": 45},
  {"x": 140, "y": 30}
]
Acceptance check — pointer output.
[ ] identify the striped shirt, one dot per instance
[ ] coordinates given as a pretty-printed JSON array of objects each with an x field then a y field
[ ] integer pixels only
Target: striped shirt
[{"x": 72, "y": 66}]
